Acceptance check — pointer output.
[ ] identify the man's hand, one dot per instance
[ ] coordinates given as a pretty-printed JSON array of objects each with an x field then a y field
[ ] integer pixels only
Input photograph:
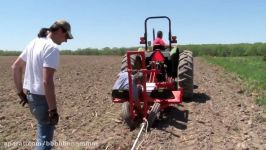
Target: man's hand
[
  {"x": 23, "y": 98},
  {"x": 53, "y": 117}
]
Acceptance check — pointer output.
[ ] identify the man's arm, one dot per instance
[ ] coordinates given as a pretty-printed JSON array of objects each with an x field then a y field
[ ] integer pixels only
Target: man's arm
[
  {"x": 17, "y": 70},
  {"x": 48, "y": 75}
]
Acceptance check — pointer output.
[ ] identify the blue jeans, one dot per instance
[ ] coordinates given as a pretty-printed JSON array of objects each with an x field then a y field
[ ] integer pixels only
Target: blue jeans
[{"x": 45, "y": 131}]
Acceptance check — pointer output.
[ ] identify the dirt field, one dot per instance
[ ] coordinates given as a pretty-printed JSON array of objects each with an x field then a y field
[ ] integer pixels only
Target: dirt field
[{"x": 220, "y": 116}]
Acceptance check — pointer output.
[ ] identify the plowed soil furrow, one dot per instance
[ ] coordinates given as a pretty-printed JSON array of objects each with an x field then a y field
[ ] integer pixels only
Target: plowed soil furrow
[{"x": 220, "y": 115}]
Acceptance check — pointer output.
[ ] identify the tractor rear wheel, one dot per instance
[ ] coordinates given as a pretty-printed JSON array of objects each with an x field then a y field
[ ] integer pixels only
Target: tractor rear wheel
[
  {"x": 153, "y": 114},
  {"x": 185, "y": 74},
  {"x": 126, "y": 116},
  {"x": 134, "y": 60}
]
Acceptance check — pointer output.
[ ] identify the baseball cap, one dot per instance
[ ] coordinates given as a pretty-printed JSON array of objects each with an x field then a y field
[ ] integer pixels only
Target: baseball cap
[{"x": 66, "y": 26}]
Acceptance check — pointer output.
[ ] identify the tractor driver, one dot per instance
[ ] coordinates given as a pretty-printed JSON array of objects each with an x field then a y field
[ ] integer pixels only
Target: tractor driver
[
  {"x": 159, "y": 39},
  {"x": 159, "y": 43}
]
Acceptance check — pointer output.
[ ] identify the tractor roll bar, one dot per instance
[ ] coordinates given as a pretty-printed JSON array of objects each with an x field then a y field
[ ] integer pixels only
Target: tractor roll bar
[{"x": 157, "y": 17}]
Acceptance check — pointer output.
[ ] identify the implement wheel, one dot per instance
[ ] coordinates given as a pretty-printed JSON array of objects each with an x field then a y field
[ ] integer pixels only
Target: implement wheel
[
  {"x": 126, "y": 116},
  {"x": 153, "y": 114}
]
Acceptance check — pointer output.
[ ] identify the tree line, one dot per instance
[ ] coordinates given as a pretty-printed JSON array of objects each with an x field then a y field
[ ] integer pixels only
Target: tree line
[{"x": 224, "y": 50}]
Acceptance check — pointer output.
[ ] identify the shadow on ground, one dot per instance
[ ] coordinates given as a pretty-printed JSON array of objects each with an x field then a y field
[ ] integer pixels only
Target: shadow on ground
[
  {"x": 198, "y": 98},
  {"x": 172, "y": 116}
]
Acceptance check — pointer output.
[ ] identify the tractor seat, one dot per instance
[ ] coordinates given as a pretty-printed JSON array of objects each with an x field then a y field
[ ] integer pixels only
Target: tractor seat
[
  {"x": 158, "y": 47},
  {"x": 121, "y": 94}
]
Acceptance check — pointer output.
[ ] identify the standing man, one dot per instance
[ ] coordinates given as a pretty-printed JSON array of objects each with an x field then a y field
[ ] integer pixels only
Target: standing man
[{"x": 41, "y": 59}]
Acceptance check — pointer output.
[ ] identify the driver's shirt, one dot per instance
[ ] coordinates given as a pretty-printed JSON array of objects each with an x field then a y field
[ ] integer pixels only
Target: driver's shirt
[{"x": 159, "y": 41}]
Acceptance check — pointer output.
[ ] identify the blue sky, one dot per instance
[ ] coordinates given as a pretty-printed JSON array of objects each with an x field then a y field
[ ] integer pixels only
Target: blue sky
[{"x": 120, "y": 23}]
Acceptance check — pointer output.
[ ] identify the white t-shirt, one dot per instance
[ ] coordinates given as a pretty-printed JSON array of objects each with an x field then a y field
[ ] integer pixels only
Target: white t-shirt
[{"x": 40, "y": 53}]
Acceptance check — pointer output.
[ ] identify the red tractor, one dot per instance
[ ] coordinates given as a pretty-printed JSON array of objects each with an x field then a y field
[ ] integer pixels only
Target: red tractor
[{"x": 167, "y": 78}]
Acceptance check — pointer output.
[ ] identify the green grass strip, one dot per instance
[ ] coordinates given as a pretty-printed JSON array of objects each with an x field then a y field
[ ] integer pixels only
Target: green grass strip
[{"x": 251, "y": 69}]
